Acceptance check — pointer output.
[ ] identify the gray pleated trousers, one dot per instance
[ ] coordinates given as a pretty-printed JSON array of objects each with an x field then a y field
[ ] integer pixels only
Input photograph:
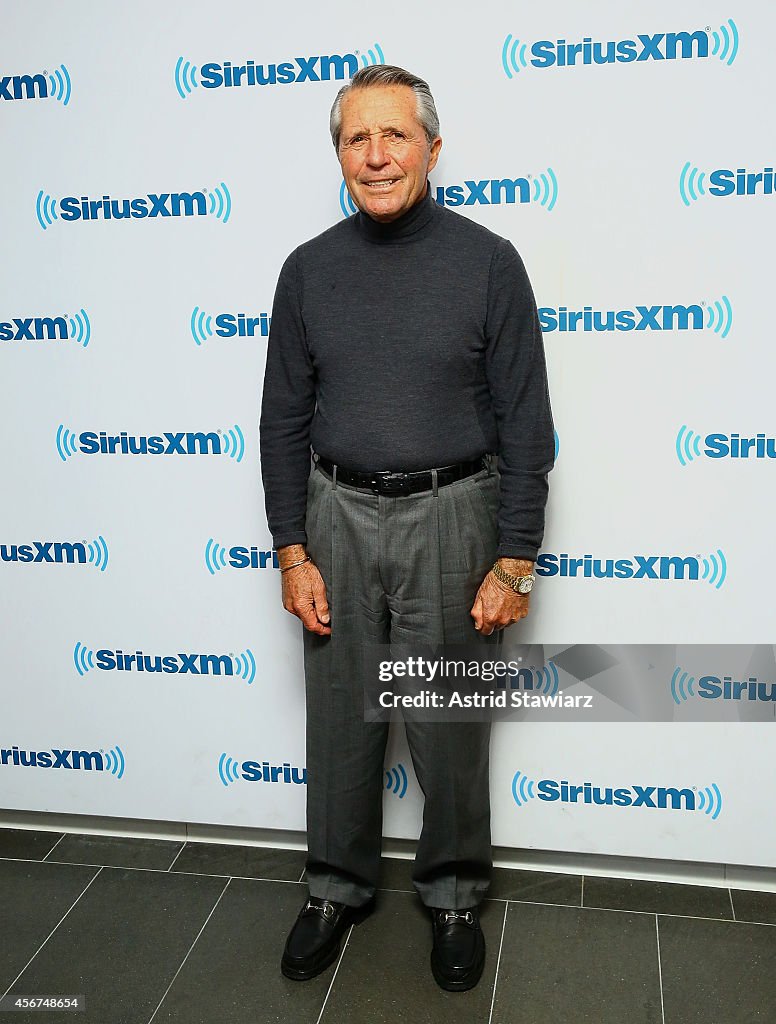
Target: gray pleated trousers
[{"x": 398, "y": 570}]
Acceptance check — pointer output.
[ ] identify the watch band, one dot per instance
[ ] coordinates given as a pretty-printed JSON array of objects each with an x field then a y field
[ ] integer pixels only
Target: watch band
[{"x": 520, "y": 584}]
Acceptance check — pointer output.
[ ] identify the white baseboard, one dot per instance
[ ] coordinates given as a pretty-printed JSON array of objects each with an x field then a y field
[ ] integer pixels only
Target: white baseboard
[{"x": 692, "y": 873}]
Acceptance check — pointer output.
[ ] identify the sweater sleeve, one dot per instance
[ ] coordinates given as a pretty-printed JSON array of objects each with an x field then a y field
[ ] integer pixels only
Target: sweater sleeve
[
  {"x": 287, "y": 407},
  {"x": 517, "y": 379}
]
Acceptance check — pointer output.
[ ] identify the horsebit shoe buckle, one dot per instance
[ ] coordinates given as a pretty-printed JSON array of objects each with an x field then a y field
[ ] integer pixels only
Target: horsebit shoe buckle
[{"x": 453, "y": 915}]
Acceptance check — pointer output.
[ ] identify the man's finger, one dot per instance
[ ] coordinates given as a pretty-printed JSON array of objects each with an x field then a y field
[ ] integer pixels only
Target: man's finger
[
  {"x": 476, "y": 611},
  {"x": 491, "y": 623},
  {"x": 310, "y": 621},
  {"x": 319, "y": 599}
]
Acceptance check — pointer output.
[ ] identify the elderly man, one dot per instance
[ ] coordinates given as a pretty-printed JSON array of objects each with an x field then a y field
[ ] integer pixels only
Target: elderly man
[{"x": 405, "y": 351}]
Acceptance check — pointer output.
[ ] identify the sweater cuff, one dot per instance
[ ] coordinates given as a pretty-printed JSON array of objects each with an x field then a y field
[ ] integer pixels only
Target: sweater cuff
[
  {"x": 516, "y": 550},
  {"x": 281, "y": 540}
]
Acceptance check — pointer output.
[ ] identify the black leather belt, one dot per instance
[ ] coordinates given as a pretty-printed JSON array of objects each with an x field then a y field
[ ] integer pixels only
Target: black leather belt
[{"x": 390, "y": 483}]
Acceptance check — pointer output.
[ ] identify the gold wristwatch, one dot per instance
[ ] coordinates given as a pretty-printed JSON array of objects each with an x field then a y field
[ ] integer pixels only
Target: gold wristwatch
[{"x": 520, "y": 584}]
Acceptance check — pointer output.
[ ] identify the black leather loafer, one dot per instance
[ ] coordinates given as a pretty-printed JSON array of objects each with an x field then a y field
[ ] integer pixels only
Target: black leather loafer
[
  {"x": 314, "y": 941},
  {"x": 458, "y": 956}
]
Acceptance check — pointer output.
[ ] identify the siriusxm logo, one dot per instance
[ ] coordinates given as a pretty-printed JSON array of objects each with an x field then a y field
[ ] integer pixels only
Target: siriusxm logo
[
  {"x": 716, "y": 688},
  {"x": 48, "y": 328},
  {"x": 690, "y": 446},
  {"x": 41, "y": 86},
  {"x": 242, "y": 665},
  {"x": 296, "y": 70},
  {"x": 215, "y": 202},
  {"x": 73, "y": 760},
  {"x": 724, "y": 182},
  {"x": 541, "y": 188},
  {"x": 518, "y": 55},
  {"x": 58, "y": 552},
  {"x": 91, "y": 442},
  {"x": 639, "y": 567},
  {"x": 230, "y": 770},
  {"x": 727, "y": 688},
  {"x": 663, "y": 798},
  {"x": 227, "y": 325},
  {"x": 217, "y": 557},
  {"x": 716, "y": 316}
]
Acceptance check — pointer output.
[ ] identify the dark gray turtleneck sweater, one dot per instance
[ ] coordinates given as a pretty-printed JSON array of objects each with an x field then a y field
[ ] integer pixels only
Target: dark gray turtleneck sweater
[{"x": 404, "y": 346}]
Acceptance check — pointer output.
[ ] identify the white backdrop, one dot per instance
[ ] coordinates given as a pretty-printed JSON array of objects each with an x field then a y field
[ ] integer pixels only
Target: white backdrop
[{"x": 623, "y": 166}]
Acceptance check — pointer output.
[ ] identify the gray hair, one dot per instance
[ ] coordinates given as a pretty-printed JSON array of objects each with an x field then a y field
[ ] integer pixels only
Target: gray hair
[{"x": 388, "y": 74}]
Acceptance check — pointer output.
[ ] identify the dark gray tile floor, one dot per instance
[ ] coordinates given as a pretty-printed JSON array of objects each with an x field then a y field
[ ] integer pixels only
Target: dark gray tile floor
[{"x": 158, "y": 932}]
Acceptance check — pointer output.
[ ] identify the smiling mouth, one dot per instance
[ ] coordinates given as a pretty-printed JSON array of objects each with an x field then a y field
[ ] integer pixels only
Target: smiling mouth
[{"x": 383, "y": 183}]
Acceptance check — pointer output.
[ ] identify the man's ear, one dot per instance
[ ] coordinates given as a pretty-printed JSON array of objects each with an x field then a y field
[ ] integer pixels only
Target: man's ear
[{"x": 436, "y": 145}]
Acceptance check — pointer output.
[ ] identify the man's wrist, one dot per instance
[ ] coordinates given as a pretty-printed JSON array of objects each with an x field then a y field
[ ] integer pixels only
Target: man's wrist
[
  {"x": 516, "y": 575},
  {"x": 517, "y": 566},
  {"x": 291, "y": 553}
]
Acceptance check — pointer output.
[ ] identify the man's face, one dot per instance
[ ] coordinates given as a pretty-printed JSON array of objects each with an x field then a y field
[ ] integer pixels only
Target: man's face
[{"x": 383, "y": 150}]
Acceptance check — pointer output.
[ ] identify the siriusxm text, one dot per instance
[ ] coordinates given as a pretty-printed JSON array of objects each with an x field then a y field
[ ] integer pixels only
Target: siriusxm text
[
  {"x": 91, "y": 760},
  {"x": 488, "y": 192},
  {"x": 297, "y": 70},
  {"x": 734, "y": 446},
  {"x": 241, "y": 557},
  {"x": 23, "y": 87},
  {"x": 153, "y": 204},
  {"x": 727, "y": 688},
  {"x": 38, "y": 328},
  {"x": 180, "y": 664},
  {"x": 549, "y": 53},
  {"x": 655, "y": 797},
  {"x": 639, "y": 567},
  {"x": 231, "y": 325},
  {"x": 44, "y": 551},
  {"x": 726, "y": 182},
  {"x": 640, "y": 318},
  {"x": 92, "y": 442},
  {"x": 255, "y": 771}
]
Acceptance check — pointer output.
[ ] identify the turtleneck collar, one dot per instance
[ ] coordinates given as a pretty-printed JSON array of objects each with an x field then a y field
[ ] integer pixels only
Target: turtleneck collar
[{"x": 403, "y": 228}]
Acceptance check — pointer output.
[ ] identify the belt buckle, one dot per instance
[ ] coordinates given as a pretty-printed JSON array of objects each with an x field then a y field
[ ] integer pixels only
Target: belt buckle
[{"x": 390, "y": 483}]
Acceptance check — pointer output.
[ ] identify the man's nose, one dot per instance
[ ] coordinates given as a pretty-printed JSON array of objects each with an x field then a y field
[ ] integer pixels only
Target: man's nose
[{"x": 377, "y": 155}]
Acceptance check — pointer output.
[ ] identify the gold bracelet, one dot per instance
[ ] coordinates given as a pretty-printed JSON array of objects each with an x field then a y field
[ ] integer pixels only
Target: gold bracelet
[{"x": 295, "y": 564}]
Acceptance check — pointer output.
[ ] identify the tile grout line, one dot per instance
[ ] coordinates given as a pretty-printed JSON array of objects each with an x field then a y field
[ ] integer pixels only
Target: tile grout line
[
  {"x": 582, "y": 893},
  {"x": 183, "y": 847},
  {"x": 183, "y": 961},
  {"x": 659, "y": 970},
  {"x": 59, "y": 922},
  {"x": 301, "y": 876},
  {"x": 333, "y": 977},
  {"x": 161, "y": 871},
  {"x": 732, "y": 904},
  {"x": 662, "y": 913},
  {"x": 498, "y": 962},
  {"x": 56, "y": 844}
]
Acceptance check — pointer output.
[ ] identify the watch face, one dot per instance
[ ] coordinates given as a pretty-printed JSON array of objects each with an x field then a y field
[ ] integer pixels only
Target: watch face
[{"x": 525, "y": 586}]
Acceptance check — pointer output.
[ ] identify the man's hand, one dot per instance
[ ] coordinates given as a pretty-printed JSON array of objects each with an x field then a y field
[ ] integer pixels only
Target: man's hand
[
  {"x": 304, "y": 592},
  {"x": 497, "y": 605}
]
